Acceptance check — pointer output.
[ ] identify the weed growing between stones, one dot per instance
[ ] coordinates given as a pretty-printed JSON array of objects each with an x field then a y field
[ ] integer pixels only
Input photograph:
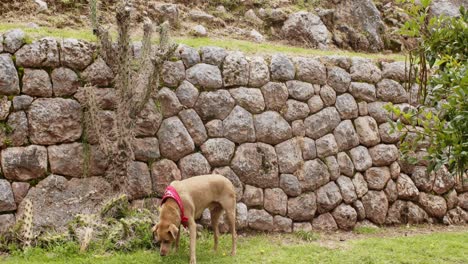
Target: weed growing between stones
[{"x": 306, "y": 235}]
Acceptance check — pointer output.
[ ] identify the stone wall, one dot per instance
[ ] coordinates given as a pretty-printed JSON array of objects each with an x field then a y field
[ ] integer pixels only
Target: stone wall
[{"x": 304, "y": 140}]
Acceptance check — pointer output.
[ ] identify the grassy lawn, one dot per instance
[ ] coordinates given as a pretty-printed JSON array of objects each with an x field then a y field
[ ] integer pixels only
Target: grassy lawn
[
  {"x": 231, "y": 44},
  {"x": 430, "y": 248}
]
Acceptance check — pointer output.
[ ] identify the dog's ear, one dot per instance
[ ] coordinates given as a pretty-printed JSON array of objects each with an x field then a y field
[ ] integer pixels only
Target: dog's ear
[
  {"x": 155, "y": 228},
  {"x": 173, "y": 230}
]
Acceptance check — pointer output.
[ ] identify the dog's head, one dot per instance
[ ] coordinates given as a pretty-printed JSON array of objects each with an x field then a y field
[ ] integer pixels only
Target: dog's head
[{"x": 165, "y": 234}]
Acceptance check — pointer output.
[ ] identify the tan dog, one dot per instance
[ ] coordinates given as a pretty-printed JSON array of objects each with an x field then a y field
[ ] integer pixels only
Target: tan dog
[{"x": 185, "y": 201}]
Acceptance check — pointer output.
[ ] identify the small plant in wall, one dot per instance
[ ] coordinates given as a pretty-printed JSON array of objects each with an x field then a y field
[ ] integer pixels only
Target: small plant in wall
[
  {"x": 136, "y": 80},
  {"x": 438, "y": 126}
]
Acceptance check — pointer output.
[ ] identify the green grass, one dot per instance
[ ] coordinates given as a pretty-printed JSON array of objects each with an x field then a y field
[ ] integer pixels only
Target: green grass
[
  {"x": 433, "y": 248},
  {"x": 366, "y": 230},
  {"x": 230, "y": 44}
]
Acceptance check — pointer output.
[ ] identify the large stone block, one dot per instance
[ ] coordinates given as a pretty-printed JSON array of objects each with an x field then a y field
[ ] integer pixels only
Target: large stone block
[
  {"x": 289, "y": 156},
  {"x": 324, "y": 222},
  {"x": 194, "y": 165},
  {"x": 7, "y": 200},
  {"x": 213, "y": 55},
  {"x": 138, "y": 180},
  {"x": 363, "y": 91},
  {"x": 368, "y": 131},
  {"x": 24, "y": 163},
  {"x": 214, "y": 105},
  {"x": 328, "y": 197},
  {"x": 41, "y": 53},
  {"x": 238, "y": 126},
  {"x": 146, "y": 149},
  {"x": 205, "y": 76},
  {"x": 74, "y": 160},
  {"x": 361, "y": 158},
  {"x": 383, "y": 155},
  {"x": 290, "y": 184},
  {"x": 275, "y": 201},
  {"x": 18, "y": 122},
  {"x": 218, "y": 151},
  {"x": 37, "y": 83},
  {"x": 347, "y": 106},
  {"x": 345, "y": 216},
  {"x": 347, "y": 189},
  {"x": 360, "y": 185},
  {"x": 98, "y": 73},
  {"x": 271, "y": 128},
  {"x": 65, "y": 81},
  {"x": 303, "y": 207},
  {"x": 328, "y": 95},
  {"x": 13, "y": 40},
  {"x": 163, "y": 172},
  {"x": 260, "y": 220},
  {"x": 295, "y": 110},
  {"x": 301, "y": 91},
  {"x": 322, "y": 123},
  {"x": 9, "y": 81},
  {"x": 346, "y": 136},
  {"x": 377, "y": 177},
  {"x": 364, "y": 71},
  {"x": 434, "y": 205},
  {"x": 76, "y": 54},
  {"x": 315, "y": 104},
  {"x": 187, "y": 94},
  {"x": 174, "y": 140},
  {"x": 310, "y": 70},
  {"x": 275, "y": 95},
  {"x": 391, "y": 91},
  {"x": 249, "y": 98},
  {"x": 281, "y": 68},
  {"x": 235, "y": 70},
  {"x": 194, "y": 126},
  {"x": 346, "y": 164},
  {"x": 313, "y": 174},
  {"x": 376, "y": 206},
  {"x": 338, "y": 79},
  {"x": 326, "y": 146},
  {"x": 173, "y": 73},
  {"x": 169, "y": 103},
  {"x": 406, "y": 188},
  {"x": 259, "y": 72}
]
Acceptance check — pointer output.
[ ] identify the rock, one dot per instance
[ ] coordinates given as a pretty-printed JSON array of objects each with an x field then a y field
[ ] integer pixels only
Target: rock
[
  {"x": 24, "y": 163},
  {"x": 41, "y": 53},
  {"x": 146, "y": 149},
  {"x": 170, "y": 105},
  {"x": 215, "y": 128},
  {"x": 338, "y": 79},
  {"x": 310, "y": 70},
  {"x": 56, "y": 201},
  {"x": 303, "y": 207},
  {"x": 432, "y": 204},
  {"x": 463, "y": 200},
  {"x": 364, "y": 71},
  {"x": 163, "y": 172},
  {"x": 241, "y": 216},
  {"x": 367, "y": 130},
  {"x": 249, "y": 98},
  {"x": 395, "y": 71},
  {"x": 377, "y": 177},
  {"x": 271, "y": 128},
  {"x": 406, "y": 188},
  {"x": 282, "y": 224},
  {"x": 5, "y": 106},
  {"x": 148, "y": 120},
  {"x": 362, "y": 106},
  {"x": 165, "y": 12},
  {"x": 256, "y": 36},
  {"x": 235, "y": 70},
  {"x": 7, "y": 220},
  {"x": 328, "y": 95},
  {"x": 13, "y": 40},
  {"x": 214, "y": 105},
  {"x": 304, "y": 26},
  {"x": 326, "y": 146},
  {"x": 106, "y": 98},
  {"x": 346, "y": 164},
  {"x": 194, "y": 126},
  {"x": 37, "y": 83},
  {"x": 394, "y": 170},
  {"x": 378, "y": 112},
  {"x": 313, "y": 174},
  {"x": 397, "y": 213},
  {"x": 345, "y": 216},
  {"x": 239, "y": 126},
  {"x": 360, "y": 185},
  {"x": 455, "y": 216},
  {"x": 251, "y": 17},
  {"x": 359, "y": 207},
  {"x": 289, "y": 156},
  {"x": 65, "y": 82},
  {"x": 391, "y": 191},
  {"x": 174, "y": 140},
  {"x": 253, "y": 196},
  {"x": 9, "y": 81},
  {"x": 213, "y": 55},
  {"x": 199, "y": 31},
  {"x": 198, "y": 15},
  {"x": 228, "y": 173},
  {"x": 98, "y": 73},
  {"x": 190, "y": 57},
  {"x": 256, "y": 164},
  {"x": 449, "y": 8},
  {"x": 444, "y": 181},
  {"x": 361, "y": 158},
  {"x": 138, "y": 181},
  {"x": 322, "y": 123},
  {"x": 275, "y": 94},
  {"x": 328, "y": 197},
  {"x": 346, "y": 106},
  {"x": 388, "y": 135},
  {"x": 260, "y": 220},
  {"x": 7, "y": 200},
  {"x": 281, "y": 68},
  {"x": 22, "y": 102},
  {"x": 187, "y": 94},
  {"x": 290, "y": 184},
  {"x": 347, "y": 189},
  {"x": 391, "y": 91},
  {"x": 315, "y": 104},
  {"x": 324, "y": 222},
  {"x": 295, "y": 110},
  {"x": 376, "y": 206},
  {"x": 345, "y": 135},
  {"x": 298, "y": 128},
  {"x": 218, "y": 151},
  {"x": 333, "y": 167},
  {"x": 309, "y": 150},
  {"x": 205, "y": 76},
  {"x": 298, "y": 90},
  {"x": 76, "y": 54},
  {"x": 173, "y": 73},
  {"x": 91, "y": 162},
  {"x": 383, "y": 155},
  {"x": 20, "y": 190},
  {"x": 302, "y": 227},
  {"x": 259, "y": 72},
  {"x": 276, "y": 201},
  {"x": 451, "y": 198},
  {"x": 363, "y": 91},
  {"x": 54, "y": 120},
  {"x": 194, "y": 165}
]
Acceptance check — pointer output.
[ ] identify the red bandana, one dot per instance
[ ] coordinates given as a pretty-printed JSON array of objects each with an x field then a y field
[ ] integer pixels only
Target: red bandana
[{"x": 171, "y": 192}]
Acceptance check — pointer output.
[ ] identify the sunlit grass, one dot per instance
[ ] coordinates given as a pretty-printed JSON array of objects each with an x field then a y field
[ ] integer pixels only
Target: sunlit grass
[{"x": 230, "y": 44}]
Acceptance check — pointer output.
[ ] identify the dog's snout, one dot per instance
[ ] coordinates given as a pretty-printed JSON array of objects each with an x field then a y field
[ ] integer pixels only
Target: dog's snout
[{"x": 162, "y": 253}]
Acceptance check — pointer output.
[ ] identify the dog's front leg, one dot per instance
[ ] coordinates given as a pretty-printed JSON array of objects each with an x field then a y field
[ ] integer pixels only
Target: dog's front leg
[
  {"x": 193, "y": 240},
  {"x": 177, "y": 240}
]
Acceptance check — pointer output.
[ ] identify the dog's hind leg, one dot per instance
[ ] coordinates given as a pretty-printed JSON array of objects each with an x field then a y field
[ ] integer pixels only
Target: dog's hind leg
[
  {"x": 230, "y": 208},
  {"x": 215, "y": 215}
]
